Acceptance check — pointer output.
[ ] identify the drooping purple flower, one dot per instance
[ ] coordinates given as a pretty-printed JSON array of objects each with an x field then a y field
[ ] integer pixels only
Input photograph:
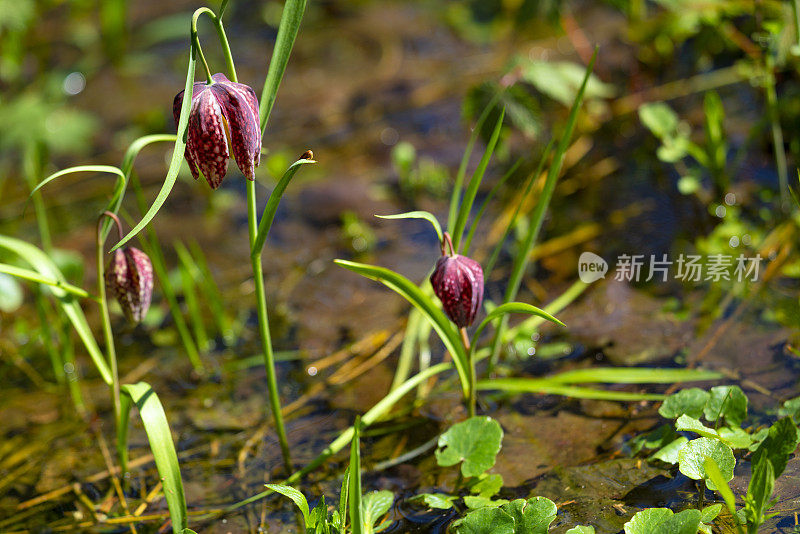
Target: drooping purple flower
[
  {"x": 223, "y": 113},
  {"x": 129, "y": 277},
  {"x": 458, "y": 282}
]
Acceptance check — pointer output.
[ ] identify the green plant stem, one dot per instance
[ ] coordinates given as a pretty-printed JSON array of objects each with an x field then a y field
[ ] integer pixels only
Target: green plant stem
[
  {"x": 263, "y": 329},
  {"x": 473, "y": 378},
  {"x": 258, "y": 277},
  {"x": 196, "y": 40},
  {"x": 108, "y": 336},
  {"x": 33, "y": 168},
  {"x": 777, "y": 132}
]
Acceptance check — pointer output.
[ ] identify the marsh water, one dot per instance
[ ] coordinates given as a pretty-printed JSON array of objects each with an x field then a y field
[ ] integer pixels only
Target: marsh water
[{"x": 363, "y": 77}]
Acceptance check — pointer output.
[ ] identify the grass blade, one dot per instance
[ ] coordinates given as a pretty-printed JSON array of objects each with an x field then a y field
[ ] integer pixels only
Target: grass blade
[
  {"x": 522, "y": 259},
  {"x": 511, "y": 307},
  {"x": 82, "y": 168},
  {"x": 418, "y": 215},
  {"x": 272, "y": 204},
  {"x": 509, "y": 173},
  {"x": 45, "y": 266},
  {"x": 636, "y": 375},
  {"x": 528, "y": 326},
  {"x": 34, "y": 276},
  {"x": 213, "y": 296},
  {"x": 177, "y": 157},
  {"x": 158, "y": 434},
  {"x": 714, "y": 474},
  {"x": 462, "y": 168},
  {"x": 354, "y": 492},
  {"x": 287, "y": 32},
  {"x": 412, "y": 293},
  {"x": 465, "y": 207},
  {"x": 549, "y": 387},
  {"x": 510, "y": 226}
]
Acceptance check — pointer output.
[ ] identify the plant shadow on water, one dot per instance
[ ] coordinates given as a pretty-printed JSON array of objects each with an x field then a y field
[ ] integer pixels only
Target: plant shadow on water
[{"x": 361, "y": 80}]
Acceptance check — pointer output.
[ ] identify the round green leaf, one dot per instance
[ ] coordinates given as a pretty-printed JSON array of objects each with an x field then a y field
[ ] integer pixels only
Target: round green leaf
[
  {"x": 692, "y": 457},
  {"x": 474, "y": 443}
]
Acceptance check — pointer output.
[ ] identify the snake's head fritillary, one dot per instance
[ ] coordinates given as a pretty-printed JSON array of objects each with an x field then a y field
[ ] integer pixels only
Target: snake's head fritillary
[
  {"x": 458, "y": 282},
  {"x": 129, "y": 277},
  {"x": 223, "y": 120}
]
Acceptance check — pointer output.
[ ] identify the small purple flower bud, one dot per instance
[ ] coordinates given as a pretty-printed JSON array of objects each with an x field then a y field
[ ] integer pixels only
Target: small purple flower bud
[
  {"x": 129, "y": 277},
  {"x": 223, "y": 113},
  {"x": 458, "y": 282}
]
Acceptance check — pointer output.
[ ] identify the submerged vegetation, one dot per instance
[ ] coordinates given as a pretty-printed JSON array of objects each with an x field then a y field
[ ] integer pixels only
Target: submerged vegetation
[{"x": 525, "y": 388}]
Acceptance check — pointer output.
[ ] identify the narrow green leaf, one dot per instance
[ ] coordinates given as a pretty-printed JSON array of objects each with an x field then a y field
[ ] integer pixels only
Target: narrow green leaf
[
  {"x": 522, "y": 259},
  {"x": 715, "y": 475},
  {"x": 462, "y": 168},
  {"x": 343, "y": 499},
  {"x": 512, "y": 223},
  {"x": 548, "y": 387},
  {"x": 80, "y": 168},
  {"x": 531, "y": 324},
  {"x": 485, "y": 204},
  {"x": 34, "y": 276},
  {"x": 465, "y": 207},
  {"x": 272, "y": 204},
  {"x": 633, "y": 375},
  {"x": 298, "y": 498},
  {"x": 158, "y": 434},
  {"x": 287, "y": 32},
  {"x": 127, "y": 167},
  {"x": 354, "y": 492},
  {"x": 42, "y": 263},
  {"x": 512, "y": 307},
  {"x": 177, "y": 157},
  {"x": 411, "y": 292},
  {"x": 418, "y": 215}
]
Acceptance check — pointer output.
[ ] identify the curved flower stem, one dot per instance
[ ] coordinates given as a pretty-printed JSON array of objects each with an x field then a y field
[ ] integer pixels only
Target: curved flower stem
[
  {"x": 109, "y": 339},
  {"x": 473, "y": 379},
  {"x": 196, "y": 39}
]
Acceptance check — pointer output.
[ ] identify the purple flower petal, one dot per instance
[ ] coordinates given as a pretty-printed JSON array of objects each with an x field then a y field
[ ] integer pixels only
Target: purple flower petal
[
  {"x": 222, "y": 113},
  {"x": 240, "y": 108},
  {"x": 458, "y": 282},
  {"x": 206, "y": 140},
  {"x": 129, "y": 277}
]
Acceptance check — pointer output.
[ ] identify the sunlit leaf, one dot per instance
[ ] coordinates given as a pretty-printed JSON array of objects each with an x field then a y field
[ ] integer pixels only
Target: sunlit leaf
[
  {"x": 473, "y": 443},
  {"x": 418, "y": 215},
  {"x": 175, "y": 162},
  {"x": 411, "y": 292},
  {"x": 158, "y": 434},
  {"x": 691, "y": 459}
]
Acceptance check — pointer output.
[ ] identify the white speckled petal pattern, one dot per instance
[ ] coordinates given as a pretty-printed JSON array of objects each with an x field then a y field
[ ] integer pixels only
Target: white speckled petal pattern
[
  {"x": 240, "y": 107},
  {"x": 129, "y": 277},
  {"x": 222, "y": 112}
]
